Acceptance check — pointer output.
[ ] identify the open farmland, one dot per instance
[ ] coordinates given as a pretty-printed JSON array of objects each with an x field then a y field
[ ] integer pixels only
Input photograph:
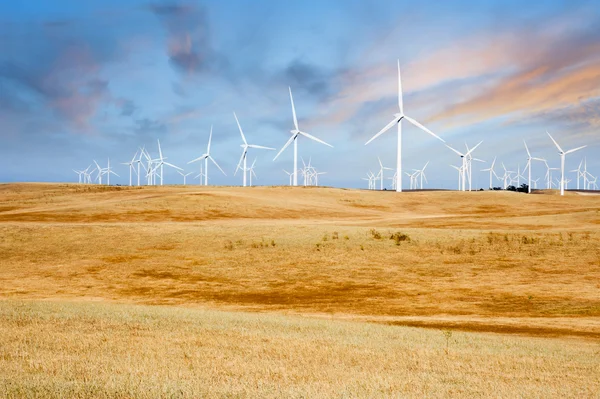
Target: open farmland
[{"x": 524, "y": 267}]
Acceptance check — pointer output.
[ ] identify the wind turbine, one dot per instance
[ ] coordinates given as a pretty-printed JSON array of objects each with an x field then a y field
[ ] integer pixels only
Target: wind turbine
[
  {"x": 79, "y": 173},
  {"x": 161, "y": 163},
  {"x": 397, "y": 121},
  {"x": 295, "y": 133},
  {"x": 562, "y": 162},
  {"x": 469, "y": 158},
  {"x": 464, "y": 162},
  {"x": 290, "y": 175},
  {"x": 245, "y": 147},
  {"x": 421, "y": 173},
  {"x": 528, "y": 166},
  {"x": 206, "y": 156},
  {"x": 185, "y": 175},
  {"x": 492, "y": 172},
  {"x": 380, "y": 174},
  {"x": 251, "y": 171},
  {"x": 459, "y": 169},
  {"x": 506, "y": 176},
  {"x": 99, "y": 169},
  {"x": 108, "y": 171},
  {"x": 131, "y": 167}
]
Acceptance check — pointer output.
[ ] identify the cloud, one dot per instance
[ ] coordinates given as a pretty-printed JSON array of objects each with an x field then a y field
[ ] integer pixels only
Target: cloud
[
  {"x": 68, "y": 84},
  {"x": 188, "y": 37},
  {"x": 127, "y": 107},
  {"x": 519, "y": 72},
  {"x": 149, "y": 127}
]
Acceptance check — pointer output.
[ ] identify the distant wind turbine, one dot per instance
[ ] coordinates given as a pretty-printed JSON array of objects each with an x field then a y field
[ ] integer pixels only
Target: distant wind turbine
[
  {"x": 205, "y": 157},
  {"x": 295, "y": 133},
  {"x": 397, "y": 121},
  {"x": 245, "y": 148},
  {"x": 562, "y": 162}
]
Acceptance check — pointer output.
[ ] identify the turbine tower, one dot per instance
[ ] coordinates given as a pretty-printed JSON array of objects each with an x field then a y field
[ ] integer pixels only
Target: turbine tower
[
  {"x": 562, "y": 162},
  {"x": 295, "y": 133},
  {"x": 397, "y": 121},
  {"x": 245, "y": 147},
  {"x": 492, "y": 172},
  {"x": 206, "y": 156}
]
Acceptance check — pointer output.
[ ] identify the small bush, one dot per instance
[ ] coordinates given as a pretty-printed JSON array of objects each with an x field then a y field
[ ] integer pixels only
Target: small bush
[
  {"x": 375, "y": 234},
  {"x": 346, "y": 238},
  {"x": 228, "y": 245},
  {"x": 334, "y": 236},
  {"x": 362, "y": 248},
  {"x": 272, "y": 243},
  {"x": 325, "y": 238},
  {"x": 400, "y": 237}
]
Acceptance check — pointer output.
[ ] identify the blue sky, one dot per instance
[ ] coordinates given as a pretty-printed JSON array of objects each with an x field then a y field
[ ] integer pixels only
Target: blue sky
[{"x": 91, "y": 80}]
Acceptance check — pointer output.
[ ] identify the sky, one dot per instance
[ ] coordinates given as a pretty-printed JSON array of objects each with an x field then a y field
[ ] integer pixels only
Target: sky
[{"x": 96, "y": 79}]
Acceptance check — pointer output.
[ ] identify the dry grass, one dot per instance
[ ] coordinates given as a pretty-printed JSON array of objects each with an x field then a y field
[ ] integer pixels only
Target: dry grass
[
  {"x": 58, "y": 349},
  {"x": 482, "y": 261}
]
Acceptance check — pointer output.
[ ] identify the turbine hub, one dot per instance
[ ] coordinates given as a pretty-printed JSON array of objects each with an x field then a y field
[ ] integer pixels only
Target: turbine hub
[{"x": 399, "y": 115}]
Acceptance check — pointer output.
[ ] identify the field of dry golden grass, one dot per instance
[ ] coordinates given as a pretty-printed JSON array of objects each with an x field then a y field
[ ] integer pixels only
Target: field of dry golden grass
[{"x": 505, "y": 263}]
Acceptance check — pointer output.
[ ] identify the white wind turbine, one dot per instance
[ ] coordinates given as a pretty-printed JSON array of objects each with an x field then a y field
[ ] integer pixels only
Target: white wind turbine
[
  {"x": 100, "y": 173},
  {"x": 245, "y": 147},
  {"x": 185, "y": 175},
  {"x": 79, "y": 174},
  {"x": 295, "y": 133},
  {"x": 535, "y": 182},
  {"x": 397, "y": 121},
  {"x": 108, "y": 171},
  {"x": 131, "y": 167},
  {"x": 206, "y": 156},
  {"x": 420, "y": 173},
  {"x": 290, "y": 175},
  {"x": 459, "y": 169},
  {"x": 469, "y": 162},
  {"x": 579, "y": 173},
  {"x": 507, "y": 175},
  {"x": 562, "y": 162},
  {"x": 492, "y": 172},
  {"x": 251, "y": 172},
  {"x": 528, "y": 166},
  {"x": 380, "y": 174},
  {"x": 161, "y": 162},
  {"x": 464, "y": 166}
]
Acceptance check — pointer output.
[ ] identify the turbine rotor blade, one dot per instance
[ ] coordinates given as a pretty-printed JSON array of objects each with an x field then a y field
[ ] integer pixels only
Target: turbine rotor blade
[
  {"x": 293, "y": 109},
  {"x": 286, "y": 145},
  {"x": 575, "y": 149},
  {"x": 240, "y": 127},
  {"x": 555, "y": 143},
  {"x": 260, "y": 147},
  {"x": 315, "y": 139},
  {"x": 456, "y": 151},
  {"x": 217, "y": 165},
  {"x": 171, "y": 165},
  {"x": 209, "y": 140},
  {"x": 400, "y": 101},
  {"x": 417, "y": 124},
  {"x": 385, "y": 129},
  {"x": 473, "y": 149}
]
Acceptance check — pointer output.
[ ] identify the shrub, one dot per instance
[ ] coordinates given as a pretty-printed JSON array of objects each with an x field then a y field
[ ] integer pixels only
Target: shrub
[
  {"x": 375, "y": 234},
  {"x": 334, "y": 236},
  {"x": 228, "y": 245},
  {"x": 400, "y": 237}
]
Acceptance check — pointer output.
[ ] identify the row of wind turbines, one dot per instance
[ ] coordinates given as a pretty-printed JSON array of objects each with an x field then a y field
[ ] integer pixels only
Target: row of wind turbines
[
  {"x": 465, "y": 170},
  {"x": 154, "y": 167}
]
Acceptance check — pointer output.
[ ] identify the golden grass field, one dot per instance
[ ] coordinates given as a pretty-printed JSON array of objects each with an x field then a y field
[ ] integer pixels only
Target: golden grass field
[{"x": 297, "y": 292}]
